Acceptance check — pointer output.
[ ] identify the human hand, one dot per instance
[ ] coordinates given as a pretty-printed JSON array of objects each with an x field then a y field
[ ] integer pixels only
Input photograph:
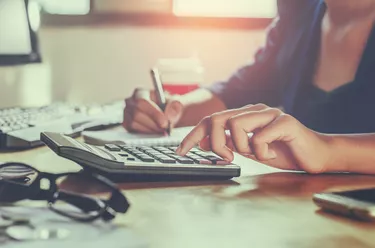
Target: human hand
[
  {"x": 143, "y": 115},
  {"x": 278, "y": 139}
]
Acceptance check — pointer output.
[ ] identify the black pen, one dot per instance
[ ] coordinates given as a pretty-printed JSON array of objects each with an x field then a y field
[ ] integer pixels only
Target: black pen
[{"x": 162, "y": 101}]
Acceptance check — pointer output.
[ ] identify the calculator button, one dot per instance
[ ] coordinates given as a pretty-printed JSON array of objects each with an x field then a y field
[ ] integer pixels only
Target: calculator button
[
  {"x": 166, "y": 160},
  {"x": 130, "y": 159},
  {"x": 159, "y": 148},
  {"x": 125, "y": 148},
  {"x": 216, "y": 160},
  {"x": 193, "y": 156},
  {"x": 185, "y": 161},
  {"x": 154, "y": 153},
  {"x": 143, "y": 157},
  {"x": 144, "y": 148},
  {"x": 222, "y": 162},
  {"x": 169, "y": 152},
  {"x": 132, "y": 151},
  {"x": 123, "y": 154},
  {"x": 112, "y": 148},
  {"x": 203, "y": 161},
  {"x": 172, "y": 148},
  {"x": 182, "y": 160},
  {"x": 147, "y": 159}
]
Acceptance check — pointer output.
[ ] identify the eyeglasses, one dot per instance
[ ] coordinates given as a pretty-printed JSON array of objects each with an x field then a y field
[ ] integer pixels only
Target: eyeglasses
[{"x": 19, "y": 181}]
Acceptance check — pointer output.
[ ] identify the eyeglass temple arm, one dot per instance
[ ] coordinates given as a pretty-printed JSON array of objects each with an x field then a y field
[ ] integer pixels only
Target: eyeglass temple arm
[
  {"x": 118, "y": 201},
  {"x": 83, "y": 202}
]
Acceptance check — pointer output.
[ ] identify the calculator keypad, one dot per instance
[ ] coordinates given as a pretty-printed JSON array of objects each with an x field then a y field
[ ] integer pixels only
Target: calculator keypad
[{"x": 165, "y": 155}]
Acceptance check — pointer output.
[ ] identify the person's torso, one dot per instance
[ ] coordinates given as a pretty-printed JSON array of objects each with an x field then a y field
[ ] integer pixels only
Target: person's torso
[{"x": 314, "y": 107}]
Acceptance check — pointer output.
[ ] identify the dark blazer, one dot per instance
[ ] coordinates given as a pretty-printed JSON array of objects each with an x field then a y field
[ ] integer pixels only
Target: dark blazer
[{"x": 282, "y": 75}]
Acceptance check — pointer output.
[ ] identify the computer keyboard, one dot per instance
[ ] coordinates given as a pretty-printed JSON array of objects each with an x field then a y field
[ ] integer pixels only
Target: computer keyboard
[
  {"x": 126, "y": 162},
  {"x": 20, "y": 128}
]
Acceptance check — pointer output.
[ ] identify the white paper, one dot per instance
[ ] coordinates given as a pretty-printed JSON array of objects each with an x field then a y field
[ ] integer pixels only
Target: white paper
[{"x": 121, "y": 136}]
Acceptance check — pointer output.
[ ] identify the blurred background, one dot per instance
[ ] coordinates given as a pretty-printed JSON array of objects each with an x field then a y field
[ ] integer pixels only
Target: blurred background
[{"x": 100, "y": 50}]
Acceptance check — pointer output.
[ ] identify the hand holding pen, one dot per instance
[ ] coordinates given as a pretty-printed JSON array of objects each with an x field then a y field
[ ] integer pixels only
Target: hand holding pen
[{"x": 142, "y": 113}]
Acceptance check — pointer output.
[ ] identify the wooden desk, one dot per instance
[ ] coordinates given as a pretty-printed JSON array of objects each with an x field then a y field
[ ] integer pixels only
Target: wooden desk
[{"x": 262, "y": 208}]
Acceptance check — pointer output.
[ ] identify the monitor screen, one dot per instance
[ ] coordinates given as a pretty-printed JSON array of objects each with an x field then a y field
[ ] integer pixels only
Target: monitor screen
[{"x": 18, "y": 41}]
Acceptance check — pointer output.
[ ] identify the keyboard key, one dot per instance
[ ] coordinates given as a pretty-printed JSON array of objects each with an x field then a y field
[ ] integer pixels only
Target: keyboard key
[
  {"x": 123, "y": 154},
  {"x": 130, "y": 159},
  {"x": 112, "y": 148}
]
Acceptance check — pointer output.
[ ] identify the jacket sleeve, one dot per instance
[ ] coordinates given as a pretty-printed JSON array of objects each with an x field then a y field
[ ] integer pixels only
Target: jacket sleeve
[{"x": 257, "y": 82}]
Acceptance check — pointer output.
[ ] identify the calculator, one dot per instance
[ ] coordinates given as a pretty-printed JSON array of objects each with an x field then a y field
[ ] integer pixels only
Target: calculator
[{"x": 124, "y": 162}]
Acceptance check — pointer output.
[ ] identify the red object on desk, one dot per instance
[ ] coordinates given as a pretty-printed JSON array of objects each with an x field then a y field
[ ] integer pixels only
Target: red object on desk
[{"x": 179, "y": 89}]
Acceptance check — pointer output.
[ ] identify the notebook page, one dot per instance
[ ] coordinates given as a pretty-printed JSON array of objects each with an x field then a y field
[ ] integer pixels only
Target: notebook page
[{"x": 121, "y": 136}]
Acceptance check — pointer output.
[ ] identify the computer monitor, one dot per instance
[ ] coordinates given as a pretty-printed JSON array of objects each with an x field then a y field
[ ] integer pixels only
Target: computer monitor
[{"x": 18, "y": 40}]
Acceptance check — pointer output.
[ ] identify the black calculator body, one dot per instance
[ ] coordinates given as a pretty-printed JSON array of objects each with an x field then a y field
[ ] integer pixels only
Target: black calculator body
[{"x": 127, "y": 163}]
